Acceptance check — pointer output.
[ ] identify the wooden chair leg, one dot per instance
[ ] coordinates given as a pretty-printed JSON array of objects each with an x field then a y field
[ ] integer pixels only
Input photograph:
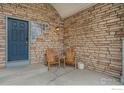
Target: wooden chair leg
[
  {"x": 59, "y": 64},
  {"x": 75, "y": 63},
  {"x": 75, "y": 66},
  {"x": 48, "y": 67},
  {"x": 64, "y": 62},
  {"x": 64, "y": 65}
]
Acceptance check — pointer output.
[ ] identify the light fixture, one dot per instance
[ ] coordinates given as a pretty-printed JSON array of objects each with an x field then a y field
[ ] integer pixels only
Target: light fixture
[{"x": 57, "y": 28}]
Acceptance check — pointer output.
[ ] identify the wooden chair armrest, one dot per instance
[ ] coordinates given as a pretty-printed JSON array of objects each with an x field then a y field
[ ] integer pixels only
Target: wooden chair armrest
[{"x": 57, "y": 58}]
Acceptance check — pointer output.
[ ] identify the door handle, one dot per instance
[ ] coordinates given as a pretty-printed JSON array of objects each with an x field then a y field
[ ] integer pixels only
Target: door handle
[{"x": 26, "y": 42}]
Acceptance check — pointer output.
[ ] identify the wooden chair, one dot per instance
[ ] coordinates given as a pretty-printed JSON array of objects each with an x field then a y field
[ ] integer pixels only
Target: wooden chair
[
  {"x": 51, "y": 58},
  {"x": 70, "y": 57}
]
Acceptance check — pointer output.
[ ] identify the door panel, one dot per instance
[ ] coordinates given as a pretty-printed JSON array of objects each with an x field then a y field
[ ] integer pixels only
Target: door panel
[{"x": 17, "y": 39}]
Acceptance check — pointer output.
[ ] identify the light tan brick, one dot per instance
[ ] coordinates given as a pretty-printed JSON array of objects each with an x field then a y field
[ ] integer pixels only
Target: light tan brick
[{"x": 100, "y": 39}]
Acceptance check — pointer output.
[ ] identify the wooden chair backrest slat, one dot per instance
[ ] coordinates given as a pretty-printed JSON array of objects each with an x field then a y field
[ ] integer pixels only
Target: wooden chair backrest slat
[
  {"x": 50, "y": 55},
  {"x": 69, "y": 54}
]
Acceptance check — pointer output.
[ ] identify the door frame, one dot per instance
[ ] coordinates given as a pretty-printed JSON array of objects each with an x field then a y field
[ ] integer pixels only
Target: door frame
[{"x": 6, "y": 41}]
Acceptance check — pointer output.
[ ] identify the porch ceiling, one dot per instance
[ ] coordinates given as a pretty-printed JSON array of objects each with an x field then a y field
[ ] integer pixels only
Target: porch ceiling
[{"x": 68, "y": 9}]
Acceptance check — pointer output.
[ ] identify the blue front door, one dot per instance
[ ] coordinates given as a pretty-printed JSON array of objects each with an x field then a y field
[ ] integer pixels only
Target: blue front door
[{"x": 17, "y": 39}]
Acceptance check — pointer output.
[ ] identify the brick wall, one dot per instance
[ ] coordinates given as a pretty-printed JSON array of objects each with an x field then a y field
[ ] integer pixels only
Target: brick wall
[
  {"x": 95, "y": 34},
  {"x": 32, "y": 12}
]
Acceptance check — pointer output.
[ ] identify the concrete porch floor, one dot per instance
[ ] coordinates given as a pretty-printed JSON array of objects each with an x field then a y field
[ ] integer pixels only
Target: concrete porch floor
[{"x": 37, "y": 74}]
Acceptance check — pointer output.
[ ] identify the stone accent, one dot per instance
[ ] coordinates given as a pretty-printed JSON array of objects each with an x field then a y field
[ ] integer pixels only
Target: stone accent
[
  {"x": 95, "y": 34},
  {"x": 32, "y": 12}
]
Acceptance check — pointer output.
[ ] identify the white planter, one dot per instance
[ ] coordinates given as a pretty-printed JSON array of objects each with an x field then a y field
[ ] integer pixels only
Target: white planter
[{"x": 80, "y": 65}]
